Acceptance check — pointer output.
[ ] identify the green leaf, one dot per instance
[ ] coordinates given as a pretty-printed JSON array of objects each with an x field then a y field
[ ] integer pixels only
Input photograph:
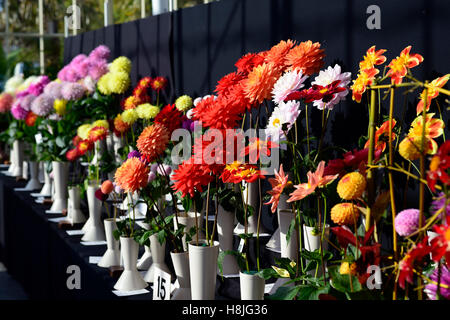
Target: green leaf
[
  {"x": 291, "y": 229},
  {"x": 311, "y": 292},
  {"x": 341, "y": 282},
  {"x": 285, "y": 293},
  {"x": 268, "y": 273},
  {"x": 239, "y": 259}
]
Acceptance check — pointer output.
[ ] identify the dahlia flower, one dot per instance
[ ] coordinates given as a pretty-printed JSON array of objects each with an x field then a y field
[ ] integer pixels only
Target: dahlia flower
[
  {"x": 279, "y": 183},
  {"x": 97, "y": 133},
  {"x": 120, "y": 64},
  {"x": 432, "y": 92},
  {"x": 225, "y": 84},
  {"x": 364, "y": 79},
  {"x": 431, "y": 288},
  {"x": 42, "y": 105},
  {"x": 277, "y": 54},
  {"x": 286, "y": 113},
  {"x": 183, "y": 103},
  {"x": 164, "y": 170},
  {"x": 129, "y": 116},
  {"x": 72, "y": 91},
  {"x": 37, "y": 87},
  {"x": 153, "y": 141},
  {"x": 53, "y": 89},
  {"x": 30, "y": 119},
  {"x": 18, "y": 112},
  {"x": 83, "y": 131},
  {"x": 132, "y": 175},
  {"x": 131, "y": 102},
  {"x": 345, "y": 214},
  {"x": 60, "y": 106},
  {"x": 26, "y": 101},
  {"x": 147, "y": 111},
  {"x": 382, "y": 135},
  {"x": 410, "y": 147},
  {"x": 327, "y": 77},
  {"x": 351, "y": 186},
  {"x": 190, "y": 178},
  {"x": 134, "y": 154},
  {"x": 13, "y": 84},
  {"x": 6, "y": 101},
  {"x": 372, "y": 58},
  {"x": 103, "y": 84},
  {"x": 286, "y": 84},
  {"x": 88, "y": 84},
  {"x": 400, "y": 65},
  {"x": 97, "y": 69},
  {"x": 439, "y": 165},
  {"x": 84, "y": 146},
  {"x": 158, "y": 83},
  {"x": 259, "y": 83},
  {"x": 307, "y": 56},
  {"x": 170, "y": 117},
  {"x": 249, "y": 61},
  {"x": 119, "y": 82},
  {"x": 101, "y": 52},
  {"x": 101, "y": 123},
  {"x": 434, "y": 128},
  {"x": 414, "y": 256},
  {"x": 120, "y": 126},
  {"x": 407, "y": 222},
  {"x": 440, "y": 245}
]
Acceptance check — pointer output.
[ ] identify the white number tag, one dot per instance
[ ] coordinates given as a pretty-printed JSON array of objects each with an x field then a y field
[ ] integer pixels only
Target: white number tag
[{"x": 161, "y": 285}]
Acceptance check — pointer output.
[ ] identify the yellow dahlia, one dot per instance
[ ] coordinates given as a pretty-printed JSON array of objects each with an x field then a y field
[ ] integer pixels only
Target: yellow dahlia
[
  {"x": 101, "y": 123},
  {"x": 153, "y": 141},
  {"x": 121, "y": 64},
  {"x": 83, "y": 131},
  {"x": 60, "y": 106},
  {"x": 347, "y": 268},
  {"x": 129, "y": 116},
  {"x": 344, "y": 214},
  {"x": 147, "y": 111},
  {"x": 259, "y": 83},
  {"x": 410, "y": 147},
  {"x": 183, "y": 103},
  {"x": 119, "y": 82},
  {"x": 132, "y": 175},
  {"x": 351, "y": 186},
  {"x": 103, "y": 84}
]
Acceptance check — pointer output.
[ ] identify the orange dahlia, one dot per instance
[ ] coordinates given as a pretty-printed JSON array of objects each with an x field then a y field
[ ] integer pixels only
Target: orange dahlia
[
  {"x": 364, "y": 79},
  {"x": 307, "y": 56},
  {"x": 400, "y": 65},
  {"x": 227, "y": 82},
  {"x": 344, "y": 214},
  {"x": 277, "y": 54},
  {"x": 132, "y": 175},
  {"x": 120, "y": 126},
  {"x": 248, "y": 62},
  {"x": 434, "y": 128},
  {"x": 432, "y": 92},
  {"x": 351, "y": 186},
  {"x": 31, "y": 118},
  {"x": 223, "y": 114},
  {"x": 131, "y": 102},
  {"x": 84, "y": 146},
  {"x": 372, "y": 58},
  {"x": 153, "y": 141},
  {"x": 259, "y": 83}
]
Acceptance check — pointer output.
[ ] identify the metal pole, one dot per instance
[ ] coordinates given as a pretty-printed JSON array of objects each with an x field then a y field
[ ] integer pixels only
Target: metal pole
[
  {"x": 108, "y": 12},
  {"x": 75, "y": 17},
  {"x": 7, "y": 27},
  {"x": 66, "y": 26},
  {"x": 41, "y": 36},
  {"x": 142, "y": 9},
  {"x": 175, "y": 5}
]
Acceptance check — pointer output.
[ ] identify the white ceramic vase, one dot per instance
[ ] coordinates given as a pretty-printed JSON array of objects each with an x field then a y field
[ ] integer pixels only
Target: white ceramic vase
[
  {"x": 158, "y": 251},
  {"x": 274, "y": 242},
  {"x": 46, "y": 190},
  {"x": 145, "y": 261},
  {"x": 112, "y": 255},
  {"x": 12, "y": 158},
  {"x": 225, "y": 226},
  {"x": 252, "y": 286},
  {"x": 18, "y": 158},
  {"x": 130, "y": 279},
  {"x": 203, "y": 270},
  {"x": 117, "y": 144},
  {"x": 311, "y": 242},
  {"x": 60, "y": 177},
  {"x": 33, "y": 183},
  {"x": 95, "y": 232},
  {"x": 74, "y": 213},
  {"x": 181, "y": 265}
]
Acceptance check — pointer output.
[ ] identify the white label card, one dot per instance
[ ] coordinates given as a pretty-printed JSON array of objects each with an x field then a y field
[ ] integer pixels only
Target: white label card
[
  {"x": 38, "y": 138},
  {"x": 161, "y": 285},
  {"x": 241, "y": 245}
]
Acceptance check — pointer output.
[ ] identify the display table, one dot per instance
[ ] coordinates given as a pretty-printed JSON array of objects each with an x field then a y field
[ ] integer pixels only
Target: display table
[{"x": 37, "y": 253}]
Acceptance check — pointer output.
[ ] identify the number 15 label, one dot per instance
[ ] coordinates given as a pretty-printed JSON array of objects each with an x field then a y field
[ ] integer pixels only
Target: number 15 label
[{"x": 161, "y": 285}]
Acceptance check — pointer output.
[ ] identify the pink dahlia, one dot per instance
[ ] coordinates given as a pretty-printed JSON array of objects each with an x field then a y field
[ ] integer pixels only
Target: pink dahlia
[
  {"x": 101, "y": 52},
  {"x": 53, "y": 89},
  {"x": 18, "y": 112},
  {"x": 98, "y": 68},
  {"x": 286, "y": 84},
  {"x": 42, "y": 105},
  {"x": 26, "y": 102},
  {"x": 37, "y": 87},
  {"x": 72, "y": 91},
  {"x": 407, "y": 222}
]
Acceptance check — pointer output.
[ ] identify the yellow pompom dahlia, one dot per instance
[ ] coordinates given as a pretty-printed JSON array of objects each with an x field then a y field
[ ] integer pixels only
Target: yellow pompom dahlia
[
  {"x": 129, "y": 116},
  {"x": 147, "y": 111},
  {"x": 410, "y": 147},
  {"x": 119, "y": 82},
  {"x": 83, "y": 131},
  {"x": 183, "y": 103},
  {"x": 103, "y": 84},
  {"x": 121, "y": 64},
  {"x": 345, "y": 214},
  {"x": 351, "y": 186}
]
